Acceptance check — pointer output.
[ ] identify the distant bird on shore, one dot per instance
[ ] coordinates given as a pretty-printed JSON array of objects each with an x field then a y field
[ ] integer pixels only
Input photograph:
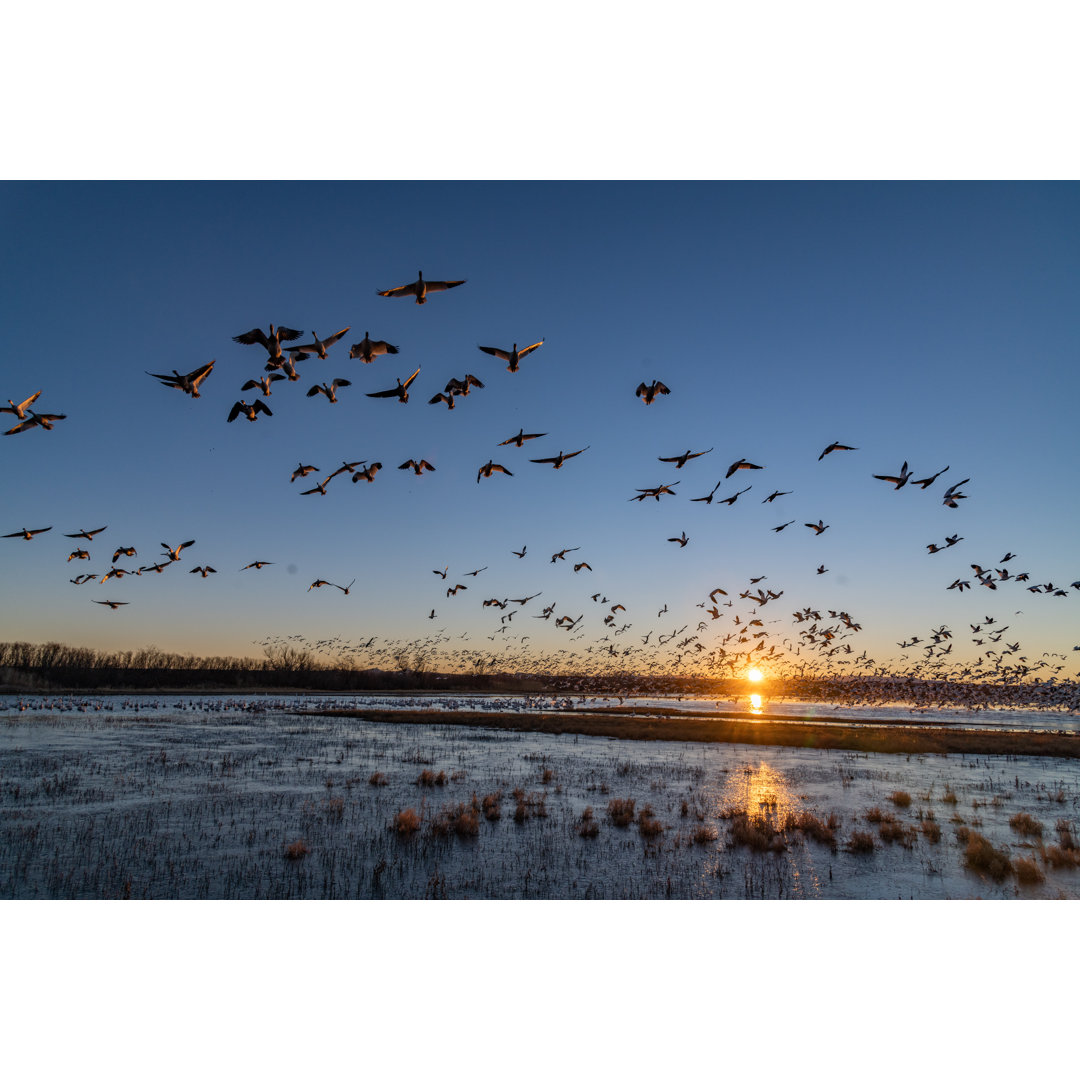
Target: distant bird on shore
[
  {"x": 835, "y": 446},
  {"x": 318, "y": 348},
  {"x": 558, "y": 460},
  {"x": 512, "y": 357},
  {"x": 272, "y": 341},
  {"x": 401, "y": 391},
  {"x": 367, "y": 349},
  {"x": 489, "y": 468},
  {"x": 420, "y": 288},
  {"x": 242, "y": 408},
  {"x": 190, "y": 382},
  {"x": 330, "y": 391},
  {"x": 648, "y": 393},
  {"x": 26, "y": 534}
]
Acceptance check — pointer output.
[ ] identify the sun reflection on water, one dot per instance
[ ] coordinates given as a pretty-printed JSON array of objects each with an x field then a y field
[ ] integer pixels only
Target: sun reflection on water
[
  {"x": 755, "y": 704},
  {"x": 760, "y": 792}
]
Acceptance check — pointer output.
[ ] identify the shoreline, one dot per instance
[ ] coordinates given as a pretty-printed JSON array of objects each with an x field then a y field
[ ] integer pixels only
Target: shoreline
[{"x": 866, "y": 737}]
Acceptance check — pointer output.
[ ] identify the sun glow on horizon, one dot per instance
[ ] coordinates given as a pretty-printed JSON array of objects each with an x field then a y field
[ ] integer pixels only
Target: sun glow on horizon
[{"x": 754, "y": 675}]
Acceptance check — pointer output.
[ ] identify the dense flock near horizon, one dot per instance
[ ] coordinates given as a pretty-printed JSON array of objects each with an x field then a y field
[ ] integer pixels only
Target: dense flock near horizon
[{"x": 731, "y": 626}]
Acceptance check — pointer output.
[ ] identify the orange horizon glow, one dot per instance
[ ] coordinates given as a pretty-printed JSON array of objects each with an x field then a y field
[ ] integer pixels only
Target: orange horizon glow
[{"x": 754, "y": 675}]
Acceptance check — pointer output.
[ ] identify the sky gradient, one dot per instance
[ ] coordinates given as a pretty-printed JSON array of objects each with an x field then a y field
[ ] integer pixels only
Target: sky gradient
[{"x": 930, "y": 323}]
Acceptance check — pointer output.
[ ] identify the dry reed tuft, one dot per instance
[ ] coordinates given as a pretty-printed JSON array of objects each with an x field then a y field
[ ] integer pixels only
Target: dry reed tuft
[
  {"x": 1026, "y": 825},
  {"x": 335, "y": 809},
  {"x": 931, "y": 830},
  {"x": 621, "y": 812},
  {"x": 648, "y": 826},
  {"x": 756, "y": 833},
  {"x": 982, "y": 857},
  {"x": 460, "y": 820},
  {"x": 949, "y": 797},
  {"x": 1061, "y": 858},
  {"x": 813, "y": 826},
  {"x": 429, "y": 778},
  {"x": 378, "y": 779},
  {"x": 900, "y": 799},
  {"x": 704, "y": 834},
  {"x": 296, "y": 850},
  {"x": 861, "y": 843},
  {"x": 1065, "y": 836},
  {"x": 895, "y": 832},
  {"x": 491, "y": 806},
  {"x": 587, "y": 827},
  {"x": 1028, "y": 872},
  {"x": 547, "y": 776},
  {"x": 875, "y": 815},
  {"x": 406, "y": 822}
]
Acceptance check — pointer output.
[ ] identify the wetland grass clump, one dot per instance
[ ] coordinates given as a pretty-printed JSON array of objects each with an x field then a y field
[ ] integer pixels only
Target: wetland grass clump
[
  {"x": 491, "y": 806},
  {"x": 1026, "y": 825},
  {"x": 406, "y": 822},
  {"x": 757, "y": 833},
  {"x": 620, "y": 812},
  {"x": 461, "y": 820},
  {"x": 587, "y": 826},
  {"x": 981, "y": 856},
  {"x": 931, "y": 830},
  {"x": 895, "y": 832},
  {"x": 1028, "y": 872},
  {"x": 648, "y": 826},
  {"x": 949, "y": 797},
  {"x": 296, "y": 850},
  {"x": 900, "y": 799},
  {"x": 808, "y": 823},
  {"x": 430, "y": 778},
  {"x": 378, "y": 779},
  {"x": 861, "y": 843},
  {"x": 704, "y": 834}
]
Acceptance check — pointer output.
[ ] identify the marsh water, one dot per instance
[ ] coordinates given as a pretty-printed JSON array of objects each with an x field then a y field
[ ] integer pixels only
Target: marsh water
[{"x": 227, "y": 797}]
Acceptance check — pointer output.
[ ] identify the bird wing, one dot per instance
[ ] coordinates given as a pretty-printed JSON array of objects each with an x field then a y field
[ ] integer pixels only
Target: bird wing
[
  {"x": 333, "y": 338},
  {"x": 341, "y": 382},
  {"x": 253, "y": 337},
  {"x": 402, "y": 290},
  {"x": 408, "y": 382},
  {"x": 235, "y": 411},
  {"x": 442, "y": 286},
  {"x": 383, "y": 393},
  {"x": 259, "y": 406},
  {"x": 544, "y": 460},
  {"x": 494, "y": 352},
  {"x": 284, "y": 333}
]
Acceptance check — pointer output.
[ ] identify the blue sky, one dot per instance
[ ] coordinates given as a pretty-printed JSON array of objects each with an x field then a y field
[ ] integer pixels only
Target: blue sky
[{"x": 928, "y": 322}]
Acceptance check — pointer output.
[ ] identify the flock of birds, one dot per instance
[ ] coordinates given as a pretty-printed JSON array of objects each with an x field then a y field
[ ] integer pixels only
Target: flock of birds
[{"x": 814, "y": 636}]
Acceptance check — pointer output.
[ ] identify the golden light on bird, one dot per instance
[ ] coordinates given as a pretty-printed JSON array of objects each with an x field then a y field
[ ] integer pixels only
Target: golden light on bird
[{"x": 754, "y": 675}]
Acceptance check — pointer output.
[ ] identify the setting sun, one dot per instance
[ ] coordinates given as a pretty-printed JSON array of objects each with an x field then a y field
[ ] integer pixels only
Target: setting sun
[{"x": 754, "y": 675}]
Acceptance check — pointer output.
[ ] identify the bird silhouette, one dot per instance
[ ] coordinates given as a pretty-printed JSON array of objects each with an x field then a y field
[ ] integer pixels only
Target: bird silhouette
[
  {"x": 420, "y": 288},
  {"x": 367, "y": 349},
  {"x": 512, "y": 357},
  {"x": 189, "y": 383}
]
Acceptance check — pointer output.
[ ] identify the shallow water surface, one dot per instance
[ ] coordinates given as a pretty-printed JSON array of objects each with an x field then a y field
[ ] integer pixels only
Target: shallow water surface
[{"x": 236, "y": 798}]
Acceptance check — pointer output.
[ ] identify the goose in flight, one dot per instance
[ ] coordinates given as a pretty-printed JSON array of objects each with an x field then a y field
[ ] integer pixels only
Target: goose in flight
[
  {"x": 129, "y": 551},
  {"x": 442, "y": 572},
  {"x": 82, "y": 579},
  {"x": 367, "y": 349},
  {"x": 330, "y": 391},
  {"x": 521, "y": 554},
  {"x": 250, "y": 411},
  {"x": 346, "y": 466},
  {"x": 79, "y": 554},
  {"x": 319, "y": 488},
  {"x": 344, "y": 588},
  {"x": 819, "y": 528},
  {"x": 42, "y": 420},
  {"x": 582, "y": 566},
  {"x": 648, "y": 393},
  {"x": 562, "y": 554},
  {"x": 417, "y": 466},
  {"x": 927, "y": 481},
  {"x": 174, "y": 553},
  {"x": 474, "y": 573},
  {"x": 491, "y": 467},
  {"x": 899, "y": 481},
  {"x": 367, "y": 474},
  {"x": 775, "y": 495},
  {"x": 19, "y": 411},
  {"x": 835, "y": 446},
  {"x": 85, "y": 534},
  {"x": 708, "y": 498},
  {"x": 272, "y": 341},
  {"x": 155, "y": 568},
  {"x": 463, "y": 386},
  {"x": 521, "y": 437},
  {"x": 512, "y": 357},
  {"x": 287, "y": 367},
  {"x": 401, "y": 391},
  {"x": 953, "y": 494},
  {"x": 258, "y": 564},
  {"x": 454, "y": 590},
  {"x": 263, "y": 384},
  {"x": 302, "y": 470},
  {"x": 26, "y": 534},
  {"x": 119, "y": 572},
  {"x": 420, "y": 288},
  {"x": 113, "y": 604},
  {"x": 742, "y": 463},
  {"x": 204, "y": 570},
  {"x": 731, "y": 501},
  {"x": 190, "y": 382},
  {"x": 444, "y": 397},
  {"x": 558, "y": 460},
  {"x": 681, "y": 459},
  {"x": 318, "y": 348},
  {"x": 655, "y": 492},
  {"x": 682, "y": 541}
]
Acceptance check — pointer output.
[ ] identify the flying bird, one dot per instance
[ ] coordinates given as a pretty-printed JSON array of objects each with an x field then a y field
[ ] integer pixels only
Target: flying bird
[
  {"x": 781, "y": 528},
  {"x": 302, "y": 470},
  {"x": 731, "y": 501},
  {"x": 775, "y": 495},
  {"x": 20, "y": 410},
  {"x": 258, "y": 565},
  {"x": 330, "y": 391},
  {"x": 263, "y": 384},
  {"x": 272, "y": 341},
  {"x": 129, "y": 551},
  {"x": 86, "y": 534},
  {"x": 950, "y": 496},
  {"x": 489, "y": 468},
  {"x": 174, "y": 553},
  {"x": 417, "y": 466},
  {"x": 42, "y": 420},
  {"x": 521, "y": 554},
  {"x": 317, "y": 347},
  {"x": 513, "y": 356},
  {"x": 682, "y": 541},
  {"x": 819, "y": 528},
  {"x": 79, "y": 554},
  {"x": 346, "y": 466},
  {"x": 113, "y": 604},
  {"x": 558, "y": 460},
  {"x": 927, "y": 481},
  {"x": 521, "y": 437},
  {"x": 648, "y": 393},
  {"x": 655, "y": 492},
  {"x": 899, "y": 481},
  {"x": 461, "y": 387},
  {"x": 204, "y": 570},
  {"x": 26, "y": 534},
  {"x": 420, "y": 288},
  {"x": 250, "y": 411},
  {"x": 401, "y": 391},
  {"x": 82, "y": 579},
  {"x": 742, "y": 463},
  {"x": 681, "y": 459},
  {"x": 190, "y": 382},
  {"x": 367, "y": 474},
  {"x": 835, "y": 446},
  {"x": 708, "y": 498},
  {"x": 367, "y": 349}
]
